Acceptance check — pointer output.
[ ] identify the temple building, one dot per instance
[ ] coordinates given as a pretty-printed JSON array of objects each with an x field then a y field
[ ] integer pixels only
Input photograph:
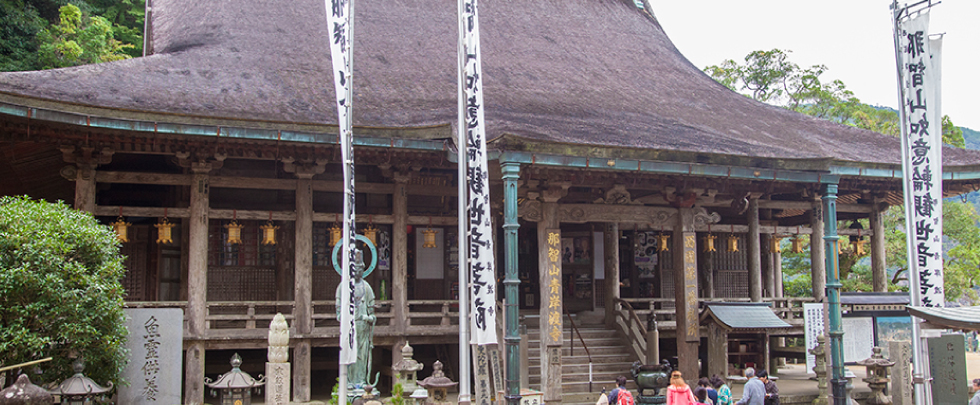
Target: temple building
[{"x": 662, "y": 189}]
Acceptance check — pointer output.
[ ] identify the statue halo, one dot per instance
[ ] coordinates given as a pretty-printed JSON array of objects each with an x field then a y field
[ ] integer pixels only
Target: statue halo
[{"x": 370, "y": 245}]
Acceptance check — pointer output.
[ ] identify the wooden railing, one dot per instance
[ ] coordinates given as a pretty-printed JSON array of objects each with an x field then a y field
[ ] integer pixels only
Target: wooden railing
[
  {"x": 629, "y": 325},
  {"x": 425, "y": 316}
]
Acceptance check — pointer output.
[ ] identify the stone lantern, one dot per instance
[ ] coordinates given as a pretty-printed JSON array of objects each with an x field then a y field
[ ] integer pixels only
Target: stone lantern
[
  {"x": 79, "y": 389},
  {"x": 235, "y": 386},
  {"x": 877, "y": 377},
  {"x": 23, "y": 392},
  {"x": 437, "y": 384},
  {"x": 406, "y": 370}
]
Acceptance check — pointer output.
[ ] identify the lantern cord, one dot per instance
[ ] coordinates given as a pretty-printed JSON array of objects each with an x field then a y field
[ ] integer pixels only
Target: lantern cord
[
  {"x": 234, "y": 215},
  {"x": 120, "y": 211},
  {"x": 164, "y": 213}
]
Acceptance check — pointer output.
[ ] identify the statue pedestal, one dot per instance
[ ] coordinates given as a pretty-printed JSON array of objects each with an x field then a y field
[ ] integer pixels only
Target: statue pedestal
[{"x": 277, "y": 383}]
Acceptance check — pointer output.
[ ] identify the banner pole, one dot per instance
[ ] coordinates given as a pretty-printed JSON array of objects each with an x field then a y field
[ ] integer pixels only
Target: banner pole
[{"x": 463, "y": 248}]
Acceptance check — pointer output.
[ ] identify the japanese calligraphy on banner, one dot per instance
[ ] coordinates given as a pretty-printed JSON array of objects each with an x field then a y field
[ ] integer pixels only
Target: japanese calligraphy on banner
[
  {"x": 552, "y": 278},
  {"x": 919, "y": 68},
  {"x": 483, "y": 319},
  {"x": 813, "y": 327},
  {"x": 691, "y": 287},
  {"x": 339, "y": 25}
]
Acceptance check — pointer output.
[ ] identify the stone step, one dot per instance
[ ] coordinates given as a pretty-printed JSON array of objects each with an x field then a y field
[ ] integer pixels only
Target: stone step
[
  {"x": 597, "y": 350},
  {"x": 621, "y": 367}
]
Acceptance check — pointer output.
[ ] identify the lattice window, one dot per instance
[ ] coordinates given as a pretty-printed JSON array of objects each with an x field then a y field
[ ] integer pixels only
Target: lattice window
[
  {"x": 248, "y": 253},
  {"x": 732, "y": 284},
  {"x": 243, "y": 271}
]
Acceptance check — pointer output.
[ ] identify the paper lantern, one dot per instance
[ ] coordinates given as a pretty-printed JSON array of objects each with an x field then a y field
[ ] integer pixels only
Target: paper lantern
[
  {"x": 774, "y": 243},
  {"x": 663, "y": 244},
  {"x": 122, "y": 229},
  {"x": 234, "y": 232},
  {"x": 336, "y": 233},
  {"x": 429, "y": 238},
  {"x": 269, "y": 233},
  {"x": 732, "y": 243},
  {"x": 709, "y": 243},
  {"x": 164, "y": 231},
  {"x": 796, "y": 244}
]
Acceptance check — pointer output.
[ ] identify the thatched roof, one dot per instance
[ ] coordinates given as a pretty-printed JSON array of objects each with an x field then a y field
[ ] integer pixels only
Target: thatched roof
[{"x": 580, "y": 72}]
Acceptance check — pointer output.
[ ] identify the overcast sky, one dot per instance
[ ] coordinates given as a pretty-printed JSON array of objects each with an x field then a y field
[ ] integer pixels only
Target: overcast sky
[{"x": 853, "y": 38}]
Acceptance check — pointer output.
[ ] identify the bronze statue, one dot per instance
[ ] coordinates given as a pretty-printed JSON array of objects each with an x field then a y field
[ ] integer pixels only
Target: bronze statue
[{"x": 359, "y": 372}]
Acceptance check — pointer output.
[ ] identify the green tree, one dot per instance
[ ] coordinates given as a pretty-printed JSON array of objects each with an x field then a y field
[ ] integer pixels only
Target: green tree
[
  {"x": 60, "y": 291},
  {"x": 19, "y": 25},
  {"x": 770, "y": 77},
  {"x": 78, "y": 39}
]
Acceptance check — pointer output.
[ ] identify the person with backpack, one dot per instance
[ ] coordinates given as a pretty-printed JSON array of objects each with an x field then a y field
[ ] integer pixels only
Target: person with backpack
[
  {"x": 678, "y": 392},
  {"x": 615, "y": 394}
]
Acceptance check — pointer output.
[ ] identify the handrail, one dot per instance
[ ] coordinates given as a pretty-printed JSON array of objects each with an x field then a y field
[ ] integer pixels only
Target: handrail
[
  {"x": 632, "y": 328},
  {"x": 585, "y": 346}
]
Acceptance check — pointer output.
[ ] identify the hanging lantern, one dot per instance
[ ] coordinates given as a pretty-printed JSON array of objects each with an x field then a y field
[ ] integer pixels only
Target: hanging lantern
[
  {"x": 774, "y": 243},
  {"x": 336, "y": 233},
  {"x": 371, "y": 233},
  {"x": 269, "y": 233},
  {"x": 662, "y": 242},
  {"x": 164, "y": 231},
  {"x": 234, "y": 232},
  {"x": 429, "y": 238},
  {"x": 858, "y": 247},
  {"x": 709, "y": 243},
  {"x": 122, "y": 229},
  {"x": 732, "y": 243},
  {"x": 796, "y": 244}
]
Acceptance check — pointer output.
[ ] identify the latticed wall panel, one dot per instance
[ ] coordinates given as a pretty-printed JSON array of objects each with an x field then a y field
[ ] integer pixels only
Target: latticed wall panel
[{"x": 241, "y": 284}]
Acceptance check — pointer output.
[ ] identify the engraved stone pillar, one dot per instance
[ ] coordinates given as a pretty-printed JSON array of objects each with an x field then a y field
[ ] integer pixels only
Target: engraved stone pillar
[
  {"x": 820, "y": 368},
  {"x": 686, "y": 291},
  {"x": 277, "y": 368}
]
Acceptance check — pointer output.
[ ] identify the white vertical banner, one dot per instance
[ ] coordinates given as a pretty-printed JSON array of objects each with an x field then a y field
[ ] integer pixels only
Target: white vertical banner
[
  {"x": 920, "y": 76},
  {"x": 812, "y": 327},
  {"x": 339, "y": 26},
  {"x": 483, "y": 299}
]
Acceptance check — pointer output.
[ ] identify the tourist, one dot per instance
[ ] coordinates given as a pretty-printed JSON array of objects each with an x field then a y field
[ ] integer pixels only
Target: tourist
[
  {"x": 724, "y": 393},
  {"x": 620, "y": 386},
  {"x": 678, "y": 392},
  {"x": 754, "y": 392},
  {"x": 976, "y": 397},
  {"x": 701, "y": 395},
  {"x": 712, "y": 394},
  {"x": 772, "y": 392}
]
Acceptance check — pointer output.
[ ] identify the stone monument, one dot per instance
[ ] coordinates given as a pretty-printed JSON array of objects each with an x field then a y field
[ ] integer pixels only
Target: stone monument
[
  {"x": 155, "y": 345},
  {"x": 277, "y": 369},
  {"x": 901, "y": 375}
]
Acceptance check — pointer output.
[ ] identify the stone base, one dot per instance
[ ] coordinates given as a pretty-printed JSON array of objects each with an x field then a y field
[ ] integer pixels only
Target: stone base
[{"x": 277, "y": 389}]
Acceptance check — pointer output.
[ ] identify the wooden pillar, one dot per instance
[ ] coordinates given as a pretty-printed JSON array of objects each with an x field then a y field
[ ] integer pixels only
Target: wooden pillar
[
  {"x": 303, "y": 295},
  {"x": 399, "y": 253},
  {"x": 197, "y": 285},
  {"x": 551, "y": 307},
  {"x": 85, "y": 160},
  {"x": 611, "y": 269},
  {"x": 879, "y": 277},
  {"x": 684, "y": 247},
  {"x": 754, "y": 252},
  {"x": 818, "y": 272},
  {"x": 777, "y": 271},
  {"x": 85, "y": 188}
]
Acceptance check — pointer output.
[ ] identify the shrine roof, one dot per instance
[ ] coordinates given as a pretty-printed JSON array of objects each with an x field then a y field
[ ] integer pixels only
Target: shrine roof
[
  {"x": 963, "y": 318},
  {"x": 600, "y": 74},
  {"x": 741, "y": 316}
]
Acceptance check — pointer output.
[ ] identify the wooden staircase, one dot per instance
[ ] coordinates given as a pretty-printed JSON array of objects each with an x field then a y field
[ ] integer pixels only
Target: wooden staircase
[{"x": 610, "y": 358}]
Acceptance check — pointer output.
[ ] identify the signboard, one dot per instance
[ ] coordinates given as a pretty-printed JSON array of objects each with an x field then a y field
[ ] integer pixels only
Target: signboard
[
  {"x": 551, "y": 331},
  {"x": 813, "y": 327},
  {"x": 859, "y": 338},
  {"x": 156, "y": 338}
]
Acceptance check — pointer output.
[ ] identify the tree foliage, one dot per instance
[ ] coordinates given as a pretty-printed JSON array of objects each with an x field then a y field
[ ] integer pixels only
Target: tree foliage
[
  {"x": 77, "y": 40},
  {"x": 770, "y": 77},
  {"x": 23, "y": 23},
  {"x": 60, "y": 291}
]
